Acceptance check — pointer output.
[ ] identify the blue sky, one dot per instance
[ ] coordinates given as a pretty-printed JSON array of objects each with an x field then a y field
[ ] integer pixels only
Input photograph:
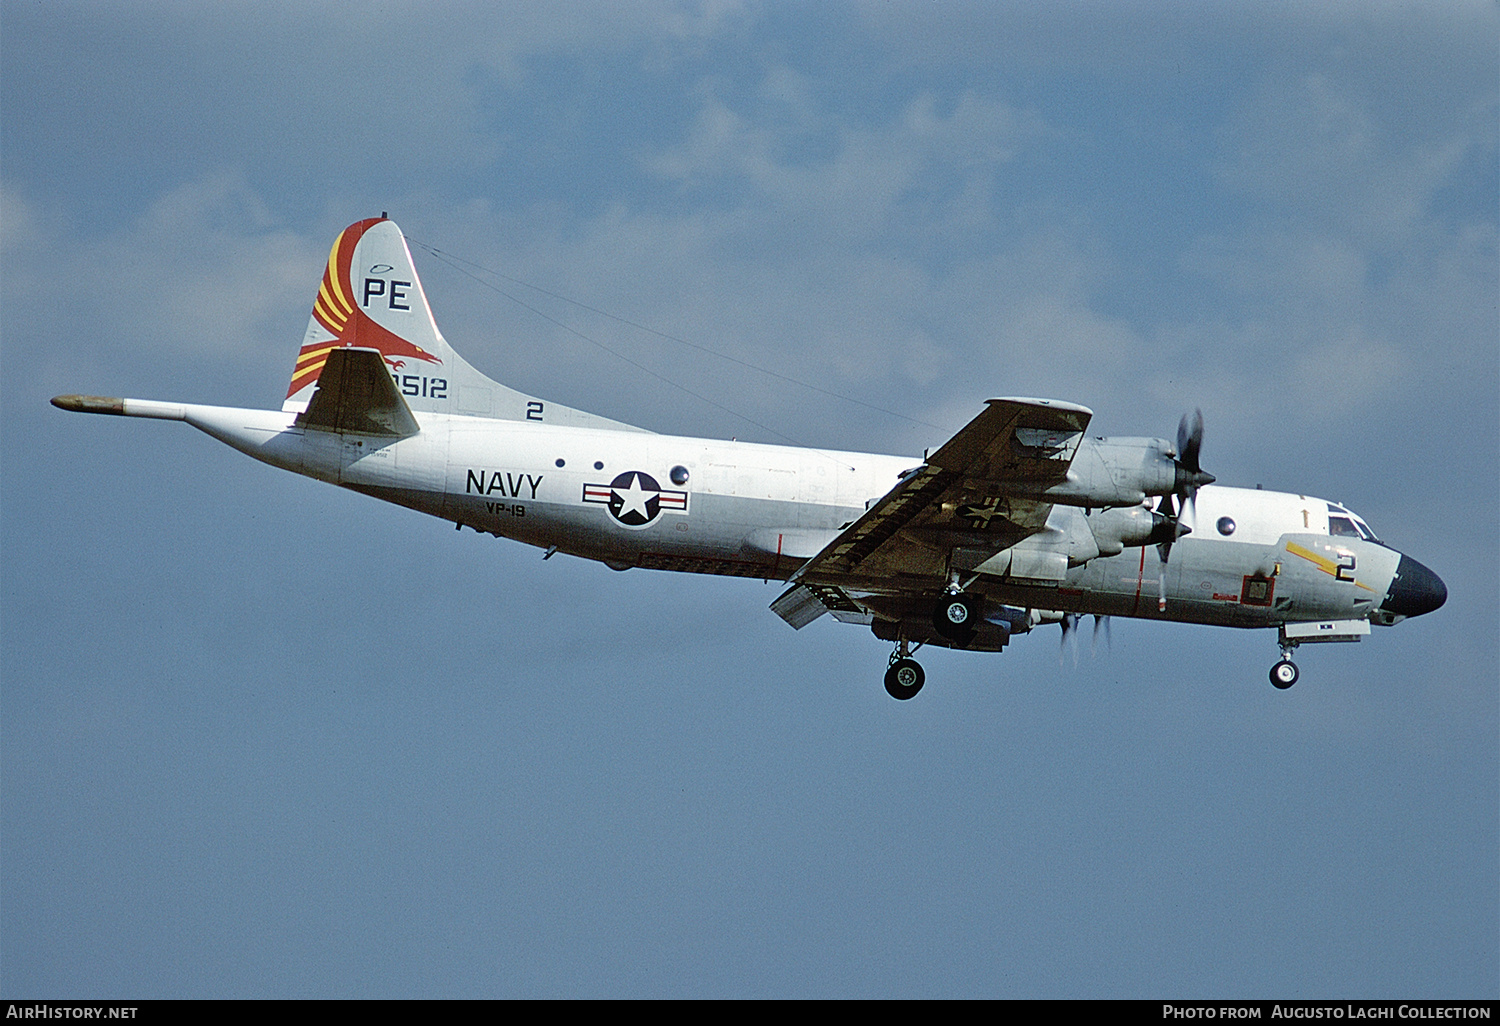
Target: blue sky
[{"x": 261, "y": 737}]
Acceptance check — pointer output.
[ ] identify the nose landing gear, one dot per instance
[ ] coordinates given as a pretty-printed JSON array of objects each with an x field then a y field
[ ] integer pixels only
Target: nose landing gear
[
  {"x": 1311, "y": 632},
  {"x": 1285, "y": 673}
]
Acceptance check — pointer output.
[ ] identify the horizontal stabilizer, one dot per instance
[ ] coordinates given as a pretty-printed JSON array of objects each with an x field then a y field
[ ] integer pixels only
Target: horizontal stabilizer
[{"x": 355, "y": 394}]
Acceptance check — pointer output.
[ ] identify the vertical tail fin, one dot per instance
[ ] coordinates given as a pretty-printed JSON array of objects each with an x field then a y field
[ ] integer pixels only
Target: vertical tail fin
[{"x": 371, "y": 298}]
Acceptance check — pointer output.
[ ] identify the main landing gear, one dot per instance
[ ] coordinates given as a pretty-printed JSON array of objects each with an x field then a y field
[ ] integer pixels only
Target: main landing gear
[
  {"x": 904, "y": 677},
  {"x": 957, "y": 615}
]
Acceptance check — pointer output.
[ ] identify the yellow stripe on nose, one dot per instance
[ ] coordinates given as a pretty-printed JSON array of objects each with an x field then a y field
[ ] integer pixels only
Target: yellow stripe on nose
[{"x": 1324, "y": 564}]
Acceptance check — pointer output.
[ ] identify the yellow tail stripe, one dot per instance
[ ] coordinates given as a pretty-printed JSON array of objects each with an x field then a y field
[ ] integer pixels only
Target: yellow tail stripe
[
  {"x": 307, "y": 375},
  {"x": 333, "y": 275},
  {"x": 335, "y": 300},
  {"x": 313, "y": 354},
  {"x": 332, "y": 318}
]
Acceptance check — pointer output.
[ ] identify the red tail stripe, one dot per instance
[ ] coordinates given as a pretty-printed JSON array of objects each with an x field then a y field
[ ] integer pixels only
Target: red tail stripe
[{"x": 334, "y": 309}]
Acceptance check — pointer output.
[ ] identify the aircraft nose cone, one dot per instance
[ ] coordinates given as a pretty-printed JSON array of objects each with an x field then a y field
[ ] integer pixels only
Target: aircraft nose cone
[{"x": 1415, "y": 590}]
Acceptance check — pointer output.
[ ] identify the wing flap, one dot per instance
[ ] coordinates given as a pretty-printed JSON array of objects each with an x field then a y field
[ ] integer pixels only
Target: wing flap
[{"x": 801, "y": 604}]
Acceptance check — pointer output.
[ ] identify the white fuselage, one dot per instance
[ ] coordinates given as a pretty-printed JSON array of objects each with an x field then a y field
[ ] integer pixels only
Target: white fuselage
[{"x": 751, "y": 510}]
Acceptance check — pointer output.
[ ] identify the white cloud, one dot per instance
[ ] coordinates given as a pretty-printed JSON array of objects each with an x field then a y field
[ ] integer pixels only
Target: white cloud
[
  {"x": 207, "y": 270},
  {"x": 874, "y": 248},
  {"x": 812, "y": 173},
  {"x": 1321, "y": 155},
  {"x": 20, "y": 225}
]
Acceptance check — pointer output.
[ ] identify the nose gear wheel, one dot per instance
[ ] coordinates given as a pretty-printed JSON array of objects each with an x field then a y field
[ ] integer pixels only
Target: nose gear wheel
[{"x": 1284, "y": 674}]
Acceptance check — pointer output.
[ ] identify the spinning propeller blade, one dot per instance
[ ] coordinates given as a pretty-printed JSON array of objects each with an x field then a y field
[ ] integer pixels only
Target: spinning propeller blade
[
  {"x": 1190, "y": 477},
  {"x": 1190, "y": 440},
  {"x": 1069, "y": 628}
]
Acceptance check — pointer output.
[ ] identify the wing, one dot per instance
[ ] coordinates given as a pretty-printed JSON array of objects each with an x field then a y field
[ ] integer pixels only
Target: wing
[{"x": 981, "y": 493}]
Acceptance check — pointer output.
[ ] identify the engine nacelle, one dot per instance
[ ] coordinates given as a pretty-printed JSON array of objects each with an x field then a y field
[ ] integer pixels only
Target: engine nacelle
[
  {"x": 1109, "y": 472},
  {"x": 1071, "y": 538},
  {"x": 1116, "y": 529}
]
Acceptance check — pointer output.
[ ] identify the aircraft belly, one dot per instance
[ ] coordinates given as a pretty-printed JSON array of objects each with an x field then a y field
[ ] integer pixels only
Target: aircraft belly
[{"x": 428, "y": 502}]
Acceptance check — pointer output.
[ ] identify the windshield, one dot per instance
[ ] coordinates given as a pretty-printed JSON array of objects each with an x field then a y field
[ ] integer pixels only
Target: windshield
[
  {"x": 1342, "y": 523},
  {"x": 1342, "y": 527},
  {"x": 1364, "y": 528}
]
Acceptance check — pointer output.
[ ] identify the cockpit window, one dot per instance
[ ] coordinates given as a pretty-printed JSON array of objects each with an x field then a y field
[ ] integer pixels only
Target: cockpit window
[
  {"x": 1342, "y": 527},
  {"x": 1341, "y": 521}
]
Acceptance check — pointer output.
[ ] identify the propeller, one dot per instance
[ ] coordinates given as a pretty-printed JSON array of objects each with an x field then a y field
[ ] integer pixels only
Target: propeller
[
  {"x": 1190, "y": 441},
  {"x": 1190, "y": 473},
  {"x": 1189, "y": 478},
  {"x": 1070, "y": 629}
]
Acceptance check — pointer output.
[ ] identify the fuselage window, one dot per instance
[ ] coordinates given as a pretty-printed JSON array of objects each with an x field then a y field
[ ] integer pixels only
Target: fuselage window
[{"x": 1225, "y": 526}]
